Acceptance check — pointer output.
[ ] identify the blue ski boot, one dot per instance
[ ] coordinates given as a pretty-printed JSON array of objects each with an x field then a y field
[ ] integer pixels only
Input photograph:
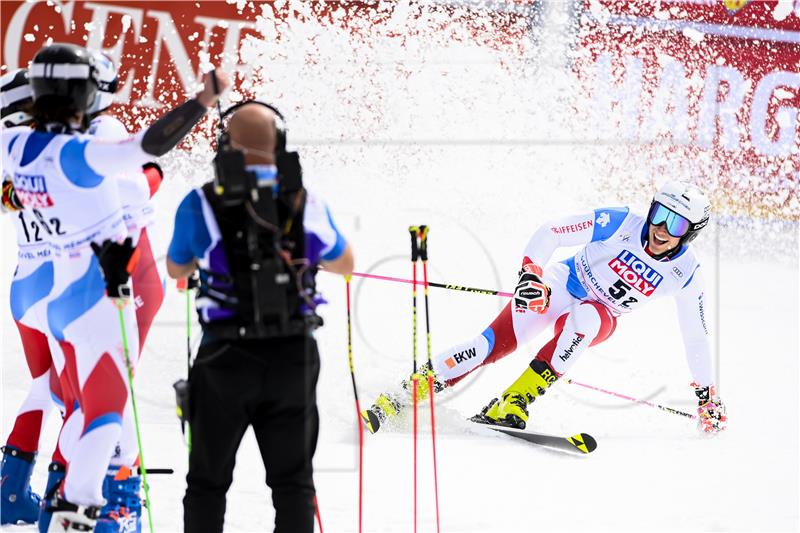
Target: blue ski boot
[
  {"x": 123, "y": 510},
  {"x": 19, "y": 504},
  {"x": 55, "y": 477}
]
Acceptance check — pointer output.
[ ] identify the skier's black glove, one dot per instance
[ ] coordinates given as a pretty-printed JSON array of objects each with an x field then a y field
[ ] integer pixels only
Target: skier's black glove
[
  {"x": 117, "y": 261},
  {"x": 531, "y": 294}
]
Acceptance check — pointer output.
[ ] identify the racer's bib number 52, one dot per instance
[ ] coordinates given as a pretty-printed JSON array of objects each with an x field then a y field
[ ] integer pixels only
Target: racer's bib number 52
[
  {"x": 36, "y": 226},
  {"x": 618, "y": 291}
]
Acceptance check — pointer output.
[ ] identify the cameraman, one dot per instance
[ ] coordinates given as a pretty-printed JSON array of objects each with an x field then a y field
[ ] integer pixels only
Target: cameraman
[{"x": 256, "y": 236}]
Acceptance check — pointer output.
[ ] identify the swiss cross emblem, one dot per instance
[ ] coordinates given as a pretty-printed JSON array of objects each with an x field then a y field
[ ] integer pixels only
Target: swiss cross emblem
[{"x": 603, "y": 219}]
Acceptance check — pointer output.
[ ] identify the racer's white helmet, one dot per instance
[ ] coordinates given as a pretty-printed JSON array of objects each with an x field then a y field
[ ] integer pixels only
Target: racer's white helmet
[
  {"x": 684, "y": 209},
  {"x": 107, "y": 83}
]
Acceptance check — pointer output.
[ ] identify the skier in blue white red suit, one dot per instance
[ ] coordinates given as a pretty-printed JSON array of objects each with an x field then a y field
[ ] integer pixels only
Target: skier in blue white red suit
[
  {"x": 120, "y": 489},
  {"x": 18, "y": 503},
  {"x": 627, "y": 261},
  {"x": 58, "y": 170}
]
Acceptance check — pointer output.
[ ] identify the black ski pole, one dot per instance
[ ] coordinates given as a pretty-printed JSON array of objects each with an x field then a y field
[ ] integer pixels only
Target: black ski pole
[{"x": 448, "y": 286}]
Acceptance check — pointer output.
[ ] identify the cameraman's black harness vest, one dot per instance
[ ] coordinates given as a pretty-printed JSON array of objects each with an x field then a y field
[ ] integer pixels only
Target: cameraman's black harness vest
[{"x": 271, "y": 285}]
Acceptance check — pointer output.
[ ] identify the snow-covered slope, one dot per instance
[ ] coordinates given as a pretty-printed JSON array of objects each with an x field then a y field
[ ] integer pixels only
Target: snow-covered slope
[
  {"x": 652, "y": 471},
  {"x": 482, "y": 199}
]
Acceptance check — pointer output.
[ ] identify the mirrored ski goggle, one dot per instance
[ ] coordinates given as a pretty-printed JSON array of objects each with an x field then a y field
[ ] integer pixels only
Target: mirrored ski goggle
[{"x": 676, "y": 225}]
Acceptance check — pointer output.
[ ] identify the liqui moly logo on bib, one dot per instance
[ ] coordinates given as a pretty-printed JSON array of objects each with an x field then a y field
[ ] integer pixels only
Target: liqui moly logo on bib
[
  {"x": 32, "y": 191},
  {"x": 635, "y": 272}
]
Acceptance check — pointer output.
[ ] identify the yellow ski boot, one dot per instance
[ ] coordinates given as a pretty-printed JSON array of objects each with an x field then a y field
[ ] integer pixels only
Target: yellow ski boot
[
  {"x": 511, "y": 409},
  {"x": 388, "y": 405},
  {"x": 424, "y": 383}
]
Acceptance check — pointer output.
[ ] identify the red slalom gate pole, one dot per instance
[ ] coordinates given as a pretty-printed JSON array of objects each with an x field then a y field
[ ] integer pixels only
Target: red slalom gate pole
[
  {"x": 414, "y": 399},
  {"x": 316, "y": 512},
  {"x": 433, "y": 442},
  {"x": 423, "y": 254},
  {"x": 414, "y": 231},
  {"x": 358, "y": 413}
]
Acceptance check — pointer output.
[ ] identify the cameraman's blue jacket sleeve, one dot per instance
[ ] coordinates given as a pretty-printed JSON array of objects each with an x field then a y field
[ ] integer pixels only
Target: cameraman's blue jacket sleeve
[{"x": 190, "y": 237}]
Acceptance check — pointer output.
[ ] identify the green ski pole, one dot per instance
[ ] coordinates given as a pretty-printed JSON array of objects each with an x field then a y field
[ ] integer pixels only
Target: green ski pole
[{"x": 121, "y": 303}]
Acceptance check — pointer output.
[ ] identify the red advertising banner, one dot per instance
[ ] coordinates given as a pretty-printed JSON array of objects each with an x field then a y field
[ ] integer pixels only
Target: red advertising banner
[
  {"x": 716, "y": 82},
  {"x": 161, "y": 47}
]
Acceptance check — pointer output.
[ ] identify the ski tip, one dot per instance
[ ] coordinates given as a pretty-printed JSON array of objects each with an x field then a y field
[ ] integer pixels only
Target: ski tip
[
  {"x": 371, "y": 420},
  {"x": 583, "y": 442}
]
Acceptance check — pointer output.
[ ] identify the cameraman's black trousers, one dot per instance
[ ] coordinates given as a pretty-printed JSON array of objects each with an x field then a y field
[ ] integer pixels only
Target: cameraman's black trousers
[{"x": 271, "y": 385}]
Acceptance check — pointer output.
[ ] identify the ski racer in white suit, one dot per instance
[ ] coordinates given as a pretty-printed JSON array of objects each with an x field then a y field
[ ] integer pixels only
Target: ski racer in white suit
[
  {"x": 30, "y": 287},
  {"x": 627, "y": 260},
  {"x": 122, "y": 486},
  {"x": 29, "y": 305},
  {"x": 61, "y": 172}
]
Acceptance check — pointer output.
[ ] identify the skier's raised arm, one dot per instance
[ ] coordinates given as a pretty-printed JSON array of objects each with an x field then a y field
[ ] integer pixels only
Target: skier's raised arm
[{"x": 158, "y": 139}]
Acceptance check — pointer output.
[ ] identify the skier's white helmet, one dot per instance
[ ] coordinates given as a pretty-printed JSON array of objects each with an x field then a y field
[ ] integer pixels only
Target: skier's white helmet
[
  {"x": 107, "y": 83},
  {"x": 688, "y": 202}
]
